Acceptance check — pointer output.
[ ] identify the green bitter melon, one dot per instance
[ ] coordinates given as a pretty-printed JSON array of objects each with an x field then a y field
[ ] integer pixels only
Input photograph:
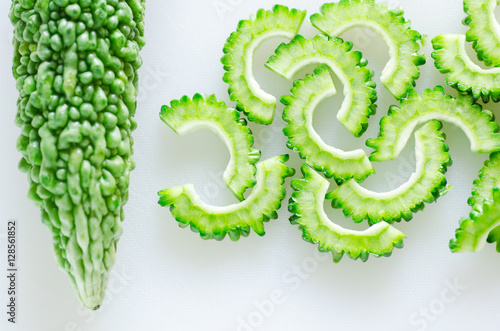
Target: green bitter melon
[
  {"x": 258, "y": 105},
  {"x": 306, "y": 94},
  {"x": 402, "y": 70},
  {"x": 236, "y": 220},
  {"x": 484, "y": 220},
  {"x": 397, "y": 126},
  {"x": 425, "y": 185},
  {"x": 348, "y": 65},
  {"x": 76, "y": 67},
  {"x": 464, "y": 75},
  {"x": 484, "y": 30},
  {"x": 186, "y": 115},
  {"x": 306, "y": 205}
]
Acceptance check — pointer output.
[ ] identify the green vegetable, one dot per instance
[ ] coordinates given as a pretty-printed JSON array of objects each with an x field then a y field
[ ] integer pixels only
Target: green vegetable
[
  {"x": 306, "y": 94},
  {"x": 235, "y": 220},
  {"x": 186, "y": 115},
  {"x": 397, "y": 126},
  {"x": 238, "y": 59},
  {"x": 401, "y": 71},
  {"x": 481, "y": 226},
  {"x": 348, "y": 65},
  {"x": 484, "y": 30},
  {"x": 463, "y": 74},
  {"x": 306, "y": 204},
  {"x": 76, "y": 67},
  {"x": 426, "y": 184}
]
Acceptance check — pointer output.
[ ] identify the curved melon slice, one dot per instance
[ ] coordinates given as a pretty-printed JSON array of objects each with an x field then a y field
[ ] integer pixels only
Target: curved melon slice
[
  {"x": 238, "y": 59},
  {"x": 484, "y": 220},
  {"x": 214, "y": 222},
  {"x": 306, "y": 94},
  {"x": 425, "y": 185},
  {"x": 397, "y": 126},
  {"x": 306, "y": 204},
  {"x": 484, "y": 30},
  {"x": 348, "y": 65},
  {"x": 475, "y": 232},
  {"x": 186, "y": 115},
  {"x": 462, "y": 74},
  {"x": 402, "y": 70}
]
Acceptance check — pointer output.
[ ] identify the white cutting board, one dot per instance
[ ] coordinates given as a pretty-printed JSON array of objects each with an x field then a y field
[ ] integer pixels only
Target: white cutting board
[{"x": 167, "y": 278}]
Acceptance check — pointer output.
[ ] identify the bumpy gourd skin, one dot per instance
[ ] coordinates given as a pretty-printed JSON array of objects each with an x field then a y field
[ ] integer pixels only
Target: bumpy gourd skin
[
  {"x": 483, "y": 30},
  {"x": 483, "y": 222},
  {"x": 396, "y": 127},
  {"x": 402, "y": 71},
  {"x": 76, "y": 65},
  {"x": 450, "y": 58},
  {"x": 306, "y": 205}
]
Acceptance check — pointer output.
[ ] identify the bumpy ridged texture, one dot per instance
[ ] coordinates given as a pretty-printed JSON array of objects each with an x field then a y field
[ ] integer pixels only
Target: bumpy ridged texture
[
  {"x": 484, "y": 218},
  {"x": 76, "y": 68},
  {"x": 461, "y": 73},
  {"x": 489, "y": 178},
  {"x": 238, "y": 59},
  {"x": 397, "y": 126},
  {"x": 306, "y": 94},
  {"x": 484, "y": 30},
  {"x": 348, "y": 65},
  {"x": 306, "y": 204},
  {"x": 186, "y": 114},
  {"x": 402, "y": 70},
  {"x": 235, "y": 220},
  {"x": 474, "y": 232},
  {"x": 425, "y": 185}
]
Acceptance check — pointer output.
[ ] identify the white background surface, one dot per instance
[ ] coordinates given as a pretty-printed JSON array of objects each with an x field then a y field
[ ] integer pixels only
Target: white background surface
[{"x": 167, "y": 278}]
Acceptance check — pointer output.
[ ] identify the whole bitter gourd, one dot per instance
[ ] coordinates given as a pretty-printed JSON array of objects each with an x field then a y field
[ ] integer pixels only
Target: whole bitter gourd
[{"x": 76, "y": 62}]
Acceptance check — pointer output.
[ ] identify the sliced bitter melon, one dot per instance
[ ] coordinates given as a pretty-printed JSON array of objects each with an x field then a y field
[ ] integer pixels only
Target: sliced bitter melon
[
  {"x": 397, "y": 126},
  {"x": 489, "y": 178},
  {"x": 476, "y": 231},
  {"x": 306, "y": 204},
  {"x": 186, "y": 115},
  {"x": 238, "y": 59},
  {"x": 306, "y": 94},
  {"x": 214, "y": 222},
  {"x": 426, "y": 184},
  {"x": 464, "y": 75},
  {"x": 348, "y": 65},
  {"x": 481, "y": 226},
  {"x": 401, "y": 71},
  {"x": 484, "y": 30}
]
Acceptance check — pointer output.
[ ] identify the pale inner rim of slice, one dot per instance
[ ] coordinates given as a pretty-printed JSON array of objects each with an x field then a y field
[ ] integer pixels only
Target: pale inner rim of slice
[
  {"x": 462, "y": 54},
  {"x": 309, "y": 113},
  {"x": 373, "y": 230},
  {"x": 455, "y": 119},
  {"x": 253, "y": 85},
  {"x": 493, "y": 23},
  {"x": 257, "y": 191},
  {"x": 415, "y": 176},
  {"x": 191, "y": 125},
  {"x": 391, "y": 66},
  {"x": 290, "y": 72}
]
